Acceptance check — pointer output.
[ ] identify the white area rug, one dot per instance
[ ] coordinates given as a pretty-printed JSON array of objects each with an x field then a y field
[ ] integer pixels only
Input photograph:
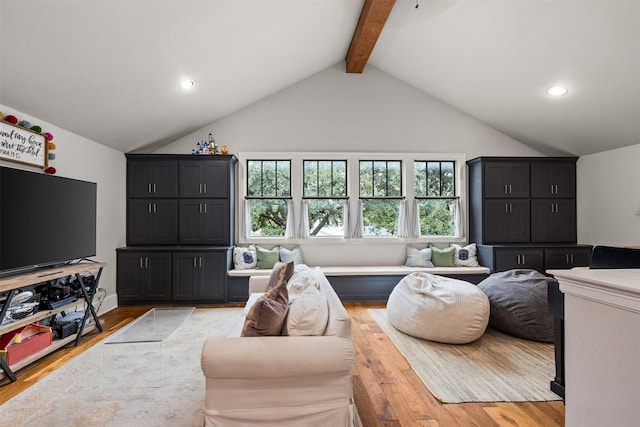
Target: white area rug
[
  {"x": 149, "y": 384},
  {"x": 495, "y": 368}
]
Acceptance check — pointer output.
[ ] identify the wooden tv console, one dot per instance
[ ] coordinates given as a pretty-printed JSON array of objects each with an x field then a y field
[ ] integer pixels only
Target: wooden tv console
[{"x": 12, "y": 283}]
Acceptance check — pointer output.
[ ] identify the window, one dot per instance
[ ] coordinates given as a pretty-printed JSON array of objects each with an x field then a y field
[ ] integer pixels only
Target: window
[
  {"x": 268, "y": 192},
  {"x": 320, "y": 197},
  {"x": 324, "y": 192},
  {"x": 435, "y": 192},
  {"x": 380, "y": 192}
]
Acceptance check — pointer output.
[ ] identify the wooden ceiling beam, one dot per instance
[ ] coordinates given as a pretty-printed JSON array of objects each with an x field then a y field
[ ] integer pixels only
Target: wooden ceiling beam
[{"x": 372, "y": 19}]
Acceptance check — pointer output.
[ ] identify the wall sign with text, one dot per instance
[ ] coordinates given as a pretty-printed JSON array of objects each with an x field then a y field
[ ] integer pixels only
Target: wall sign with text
[{"x": 21, "y": 145}]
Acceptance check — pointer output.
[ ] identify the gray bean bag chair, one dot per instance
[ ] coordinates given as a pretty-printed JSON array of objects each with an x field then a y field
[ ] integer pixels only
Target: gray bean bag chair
[{"x": 518, "y": 301}]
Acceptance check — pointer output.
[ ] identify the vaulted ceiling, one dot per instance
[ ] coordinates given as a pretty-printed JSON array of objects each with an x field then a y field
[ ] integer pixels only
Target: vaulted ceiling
[{"x": 109, "y": 70}]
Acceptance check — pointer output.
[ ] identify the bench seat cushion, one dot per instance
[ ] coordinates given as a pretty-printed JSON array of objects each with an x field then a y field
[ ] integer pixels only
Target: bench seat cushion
[{"x": 372, "y": 270}]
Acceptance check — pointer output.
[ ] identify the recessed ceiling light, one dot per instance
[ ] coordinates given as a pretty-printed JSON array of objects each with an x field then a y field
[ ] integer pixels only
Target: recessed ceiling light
[
  {"x": 557, "y": 91},
  {"x": 187, "y": 84}
]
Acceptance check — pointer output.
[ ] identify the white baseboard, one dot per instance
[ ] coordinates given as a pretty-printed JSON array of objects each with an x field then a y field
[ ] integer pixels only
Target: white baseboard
[{"x": 109, "y": 303}]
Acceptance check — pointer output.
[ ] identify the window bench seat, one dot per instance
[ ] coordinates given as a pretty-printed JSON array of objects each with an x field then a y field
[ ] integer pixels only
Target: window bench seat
[{"x": 358, "y": 283}]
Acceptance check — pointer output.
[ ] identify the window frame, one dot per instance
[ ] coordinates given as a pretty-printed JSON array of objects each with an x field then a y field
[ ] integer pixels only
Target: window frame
[
  {"x": 262, "y": 196},
  {"x": 332, "y": 197},
  {"x": 353, "y": 169}
]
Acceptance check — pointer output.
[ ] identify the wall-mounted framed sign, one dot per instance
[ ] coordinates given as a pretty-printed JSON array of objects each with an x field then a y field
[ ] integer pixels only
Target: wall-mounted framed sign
[{"x": 21, "y": 145}]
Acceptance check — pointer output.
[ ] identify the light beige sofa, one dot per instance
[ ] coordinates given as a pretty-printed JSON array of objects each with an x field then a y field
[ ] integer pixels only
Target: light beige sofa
[{"x": 301, "y": 381}]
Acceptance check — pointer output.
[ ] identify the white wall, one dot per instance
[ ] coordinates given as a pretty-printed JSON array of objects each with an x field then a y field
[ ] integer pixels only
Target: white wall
[
  {"x": 340, "y": 112},
  {"x": 608, "y": 200},
  {"x": 81, "y": 158},
  {"x": 336, "y": 111}
]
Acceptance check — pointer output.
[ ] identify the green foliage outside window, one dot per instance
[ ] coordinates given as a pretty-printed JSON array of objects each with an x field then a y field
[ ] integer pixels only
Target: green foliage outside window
[
  {"x": 268, "y": 187},
  {"x": 380, "y": 217},
  {"x": 380, "y": 180},
  {"x": 325, "y": 187},
  {"x": 435, "y": 189}
]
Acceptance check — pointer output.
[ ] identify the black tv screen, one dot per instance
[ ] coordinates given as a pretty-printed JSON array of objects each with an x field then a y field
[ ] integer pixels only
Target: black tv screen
[{"x": 44, "y": 220}]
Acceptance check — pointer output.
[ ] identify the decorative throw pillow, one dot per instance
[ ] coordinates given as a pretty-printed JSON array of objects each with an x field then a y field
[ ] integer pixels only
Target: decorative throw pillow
[
  {"x": 294, "y": 255},
  {"x": 281, "y": 273},
  {"x": 308, "y": 313},
  {"x": 267, "y": 258},
  {"x": 418, "y": 257},
  {"x": 465, "y": 255},
  {"x": 443, "y": 257},
  {"x": 245, "y": 258},
  {"x": 267, "y": 315},
  {"x": 302, "y": 278}
]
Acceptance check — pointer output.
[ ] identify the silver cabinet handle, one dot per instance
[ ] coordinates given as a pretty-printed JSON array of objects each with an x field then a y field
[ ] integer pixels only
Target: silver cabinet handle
[{"x": 205, "y": 188}]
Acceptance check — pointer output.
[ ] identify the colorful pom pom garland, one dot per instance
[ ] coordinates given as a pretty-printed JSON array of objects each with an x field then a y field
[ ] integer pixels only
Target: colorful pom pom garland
[{"x": 37, "y": 129}]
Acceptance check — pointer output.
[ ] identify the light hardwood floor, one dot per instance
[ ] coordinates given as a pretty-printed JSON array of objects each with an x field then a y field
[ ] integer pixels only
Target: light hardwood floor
[{"x": 386, "y": 390}]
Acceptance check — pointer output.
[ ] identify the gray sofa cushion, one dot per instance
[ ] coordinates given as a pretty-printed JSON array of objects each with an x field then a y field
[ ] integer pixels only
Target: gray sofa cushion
[{"x": 518, "y": 304}]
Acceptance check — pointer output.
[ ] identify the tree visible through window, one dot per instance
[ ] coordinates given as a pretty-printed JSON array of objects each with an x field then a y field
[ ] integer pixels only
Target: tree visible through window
[
  {"x": 268, "y": 190},
  {"x": 380, "y": 192},
  {"x": 436, "y": 194},
  {"x": 324, "y": 191}
]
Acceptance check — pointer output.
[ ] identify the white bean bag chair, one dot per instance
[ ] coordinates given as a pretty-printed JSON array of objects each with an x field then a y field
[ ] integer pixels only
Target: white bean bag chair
[{"x": 438, "y": 308}]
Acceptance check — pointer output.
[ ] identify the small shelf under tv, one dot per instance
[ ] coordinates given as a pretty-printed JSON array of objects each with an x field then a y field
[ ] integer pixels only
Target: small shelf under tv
[{"x": 18, "y": 281}]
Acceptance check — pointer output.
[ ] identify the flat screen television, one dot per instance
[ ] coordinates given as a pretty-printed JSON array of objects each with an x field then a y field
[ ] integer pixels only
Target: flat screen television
[{"x": 45, "y": 220}]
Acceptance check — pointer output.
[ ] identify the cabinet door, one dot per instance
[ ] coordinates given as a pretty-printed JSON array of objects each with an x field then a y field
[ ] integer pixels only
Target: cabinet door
[
  {"x": 553, "y": 179},
  {"x": 213, "y": 280},
  {"x": 152, "y": 178},
  {"x": 558, "y": 258},
  {"x": 204, "y": 179},
  {"x": 143, "y": 276},
  {"x": 553, "y": 220},
  {"x": 187, "y": 268},
  {"x": 205, "y": 222},
  {"x": 506, "y": 221},
  {"x": 518, "y": 258},
  {"x": 503, "y": 179},
  {"x": 152, "y": 222},
  {"x": 199, "y": 276}
]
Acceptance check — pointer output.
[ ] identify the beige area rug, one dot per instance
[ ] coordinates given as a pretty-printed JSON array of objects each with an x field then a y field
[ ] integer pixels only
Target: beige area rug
[
  {"x": 139, "y": 384},
  {"x": 495, "y": 368}
]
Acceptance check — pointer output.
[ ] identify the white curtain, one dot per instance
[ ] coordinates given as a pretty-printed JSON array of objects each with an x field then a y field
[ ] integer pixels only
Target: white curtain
[
  {"x": 247, "y": 218},
  {"x": 408, "y": 219},
  {"x": 356, "y": 224},
  {"x": 459, "y": 220},
  {"x": 303, "y": 226},
  {"x": 346, "y": 227},
  {"x": 290, "y": 229},
  {"x": 403, "y": 219}
]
